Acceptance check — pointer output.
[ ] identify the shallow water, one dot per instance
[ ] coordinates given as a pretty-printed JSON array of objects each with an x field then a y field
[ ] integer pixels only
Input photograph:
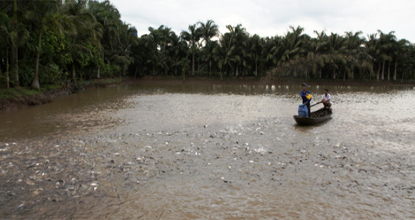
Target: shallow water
[{"x": 191, "y": 151}]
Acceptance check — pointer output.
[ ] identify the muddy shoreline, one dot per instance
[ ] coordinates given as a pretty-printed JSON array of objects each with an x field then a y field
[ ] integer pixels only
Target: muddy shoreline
[
  {"x": 270, "y": 80},
  {"x": 10, "y": 104},
  {"x": 25, "y": 101}
]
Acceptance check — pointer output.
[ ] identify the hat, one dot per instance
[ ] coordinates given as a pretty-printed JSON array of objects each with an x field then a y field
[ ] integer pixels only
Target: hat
[{"x": 304, "y": 85}]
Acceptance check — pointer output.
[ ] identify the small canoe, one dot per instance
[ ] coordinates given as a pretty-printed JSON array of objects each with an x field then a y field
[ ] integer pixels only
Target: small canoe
[{"x": 316, "y": 117}]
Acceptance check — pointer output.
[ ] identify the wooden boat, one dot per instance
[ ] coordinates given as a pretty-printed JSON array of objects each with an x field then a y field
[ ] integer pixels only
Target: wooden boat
[{"x": 315, "y": 117}]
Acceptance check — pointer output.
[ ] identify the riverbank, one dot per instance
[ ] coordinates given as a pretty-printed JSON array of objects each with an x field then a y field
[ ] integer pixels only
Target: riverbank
[
  {"x": 274, "y": 80},
  {"x": 22, "y": 97},
  {"x": 17, "y": 98}
]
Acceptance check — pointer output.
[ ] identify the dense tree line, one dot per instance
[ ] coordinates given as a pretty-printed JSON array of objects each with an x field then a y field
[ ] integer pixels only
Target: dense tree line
[
  {"x": 55, "y": 42},
  {"x": 203, "y": 51},
  {"x": 51, "y": 42}
]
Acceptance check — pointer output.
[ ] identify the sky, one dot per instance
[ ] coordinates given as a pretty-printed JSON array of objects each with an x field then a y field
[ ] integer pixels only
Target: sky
[{"x": 273, "y": 17}]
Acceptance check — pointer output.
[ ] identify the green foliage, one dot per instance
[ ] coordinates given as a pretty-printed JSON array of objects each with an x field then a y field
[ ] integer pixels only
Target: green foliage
[
  {"x": 55, "y": 48},
  {"x": 72, "y": 40},
  {"x": 108, "y": 70},
  {"x": 53, "y": 42},
  {"x": 51, "y": 74},
  {"x": 17, "y": 92},
  {"x": 26, "y": 71}
]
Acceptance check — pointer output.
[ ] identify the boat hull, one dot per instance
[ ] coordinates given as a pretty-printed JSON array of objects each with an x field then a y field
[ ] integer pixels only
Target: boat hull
[{"x": 316, "y": 117}]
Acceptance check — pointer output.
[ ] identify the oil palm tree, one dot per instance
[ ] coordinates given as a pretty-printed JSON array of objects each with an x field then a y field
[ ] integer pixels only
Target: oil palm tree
[
  {"x": 353, "y": 43},
  {"x": 152, "y": 43},
  {"x": 224, "y": 53},
  {"x": 43, "y": 15},
  {"x": 82, "y": 28},
  {"x": 12, "y": 35},
  {"x": 399, "y": 53},
  {"x": 209, "y": 52},
  {"x": 239, "y": 39},
  {"x": 255, "y": 48},
  {"x": 192, "y": 37},
  {"x": 109, "y": 17},
  {"x": 209, "y": 30}
]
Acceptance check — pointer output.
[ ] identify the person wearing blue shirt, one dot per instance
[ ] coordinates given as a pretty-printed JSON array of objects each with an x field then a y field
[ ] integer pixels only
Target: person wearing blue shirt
[{"x": 304, "y": 94}]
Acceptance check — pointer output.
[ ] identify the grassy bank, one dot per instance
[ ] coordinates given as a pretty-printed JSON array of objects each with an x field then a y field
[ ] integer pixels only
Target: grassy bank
[
  {"x": 16, "y": 98},
  {"x": 25, "y": 91},
  {"x": 22, "y": 91}
]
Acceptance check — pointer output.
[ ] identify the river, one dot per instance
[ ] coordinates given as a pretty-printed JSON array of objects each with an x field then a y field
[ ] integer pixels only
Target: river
[{"x": 209, "y": 151}]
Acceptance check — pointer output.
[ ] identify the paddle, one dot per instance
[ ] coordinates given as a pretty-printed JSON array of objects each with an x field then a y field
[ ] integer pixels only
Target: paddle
[{"x": 315, "y": 104}]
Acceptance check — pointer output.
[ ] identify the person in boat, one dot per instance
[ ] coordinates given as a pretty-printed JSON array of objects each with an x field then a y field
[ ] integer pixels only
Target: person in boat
[
  {"x": 326, "y": 100},
  {"x": 306, "y": 95}
]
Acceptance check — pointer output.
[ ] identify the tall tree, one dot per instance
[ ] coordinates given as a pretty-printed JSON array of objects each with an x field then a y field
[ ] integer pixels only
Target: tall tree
[
  {"x": 43, "y": 15},
  {"x": 208, "y": 31},
  {"x": 256, "y": 48},
  {"x": 399, "y": 54},
  {"x": 83, "y": 29},
  {"x": 12, "y": 35},
  {"x": 192, "y": 36}
]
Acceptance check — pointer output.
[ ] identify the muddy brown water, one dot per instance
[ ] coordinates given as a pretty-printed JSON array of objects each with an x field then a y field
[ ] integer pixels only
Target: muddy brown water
[{"x": 209, "y": 151}]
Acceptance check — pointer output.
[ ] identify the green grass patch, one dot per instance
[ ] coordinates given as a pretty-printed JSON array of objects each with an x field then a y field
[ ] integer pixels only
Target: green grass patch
[{"x": 23, "y": 91}]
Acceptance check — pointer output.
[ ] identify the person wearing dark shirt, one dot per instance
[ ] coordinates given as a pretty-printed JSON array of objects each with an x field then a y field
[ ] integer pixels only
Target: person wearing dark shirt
[{"x": 306, "y": 95}]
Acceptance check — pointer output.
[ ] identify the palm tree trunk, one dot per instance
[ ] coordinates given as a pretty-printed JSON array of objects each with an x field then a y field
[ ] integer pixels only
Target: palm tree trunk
[
  {"x": 135, "y": 74},
  {"x": 193, "y": 64},
  {"x": 17, "y": 81},
  {"x": 320, "y": 74},
  {"x": 35, "y": 82},
  {"x": 306, "y": 74},
  {"x": 377, "y": 76},
  {"x": 389, "y": 70},
  {"x": 220, "y": 74},
  {"x": 210, "y": 67},
  {"x": 98, "y": 75},
  {"x": 237, "y": 67},
  {"x": 370, "y": 73},
  {"x": 383, "y": 71},
  {"x": 7, "y": 69},
  {"x": 396, "y": 67},
  {"x": 344, "y": 75},
  {"x": 256, "y": 67},
  {"x": 74, "y": 74},
  {"x": 15, "y": 62},
  {"x": 295, "y": 72},
  {"x": 198, "y": 65}
]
